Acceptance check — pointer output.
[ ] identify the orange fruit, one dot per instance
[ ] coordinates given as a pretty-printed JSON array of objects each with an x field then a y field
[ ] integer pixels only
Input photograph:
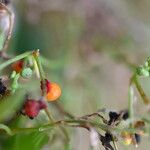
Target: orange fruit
[{"x": 54, "y": 93}]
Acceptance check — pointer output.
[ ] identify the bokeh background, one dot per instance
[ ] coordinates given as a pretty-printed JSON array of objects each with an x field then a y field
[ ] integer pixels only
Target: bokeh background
[{"x": 89, "y": 47}]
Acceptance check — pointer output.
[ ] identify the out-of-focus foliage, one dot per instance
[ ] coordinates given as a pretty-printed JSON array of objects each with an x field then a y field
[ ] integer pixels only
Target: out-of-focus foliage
[
  {"x": 34, "y": 141},
  {"x": 9, "y": 105}
]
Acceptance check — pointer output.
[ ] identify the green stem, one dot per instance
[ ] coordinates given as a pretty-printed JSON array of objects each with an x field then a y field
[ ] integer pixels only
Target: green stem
[
  {"x": 59, "y": 123},
  {"x": 38, "y": 61},
  {"x": 42, "y": 77},
  {"x": 141, "y": 91},
  {"x": 48, "y": 114},
  {"x": 71, "y": 123},
  {"x": 10, "y": 61}
]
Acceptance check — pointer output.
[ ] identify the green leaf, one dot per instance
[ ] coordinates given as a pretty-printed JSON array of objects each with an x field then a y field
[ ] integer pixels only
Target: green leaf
[{"x": 11, "y": 104}]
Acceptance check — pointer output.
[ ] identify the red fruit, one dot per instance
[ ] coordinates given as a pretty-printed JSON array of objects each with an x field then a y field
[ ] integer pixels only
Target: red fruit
[{"x": 31, "y": 108}]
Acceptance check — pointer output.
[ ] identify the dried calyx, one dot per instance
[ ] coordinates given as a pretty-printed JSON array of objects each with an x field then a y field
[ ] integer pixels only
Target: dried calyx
[{"x": 114, "y": 117}]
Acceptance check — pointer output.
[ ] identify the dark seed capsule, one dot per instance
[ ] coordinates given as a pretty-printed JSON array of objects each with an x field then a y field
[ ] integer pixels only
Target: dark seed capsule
[
  {"x": 137, "y": 138},
  {"x": 108, "y": 137},
  {"x": 113, "y": 116},
  {"x": 125, "y": 115}
]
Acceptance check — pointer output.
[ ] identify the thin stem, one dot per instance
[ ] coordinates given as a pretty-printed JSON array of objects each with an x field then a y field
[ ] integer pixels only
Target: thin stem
[
  {"x": 141, "y": 91},
  {"x": 10, "y": 61},
  {"x": 48, "y": 114},
  {"x": 38, "y": 61},
  {"x": 69, "y": 123},
  {"x": 42, "y": 77},
  {"x": 95, "y": 114}
]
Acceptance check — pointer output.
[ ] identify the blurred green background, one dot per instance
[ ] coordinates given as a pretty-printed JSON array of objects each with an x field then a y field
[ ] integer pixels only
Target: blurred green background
[{"x": 90, "y": 46}]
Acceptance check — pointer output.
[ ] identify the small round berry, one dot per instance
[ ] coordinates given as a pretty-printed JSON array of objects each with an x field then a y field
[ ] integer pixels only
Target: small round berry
[
  {"x": 17, "y": 66},
  {"x": 54, "y": 93},
  {"x": 26, "y": 73}
]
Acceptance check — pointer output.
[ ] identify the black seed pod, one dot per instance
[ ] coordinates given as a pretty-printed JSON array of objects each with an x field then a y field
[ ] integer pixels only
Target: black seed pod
[
  {"x": 113, "y": 116},
  {"x": 137, "y": 138},
  {"x": 125, "y": 115},
  {"x": 108, "y": 137}
]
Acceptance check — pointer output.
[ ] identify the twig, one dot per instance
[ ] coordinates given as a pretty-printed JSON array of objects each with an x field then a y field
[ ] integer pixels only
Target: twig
[
  {"x": 11, "y": 23},
  {"x": 95, "y": 114}
]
